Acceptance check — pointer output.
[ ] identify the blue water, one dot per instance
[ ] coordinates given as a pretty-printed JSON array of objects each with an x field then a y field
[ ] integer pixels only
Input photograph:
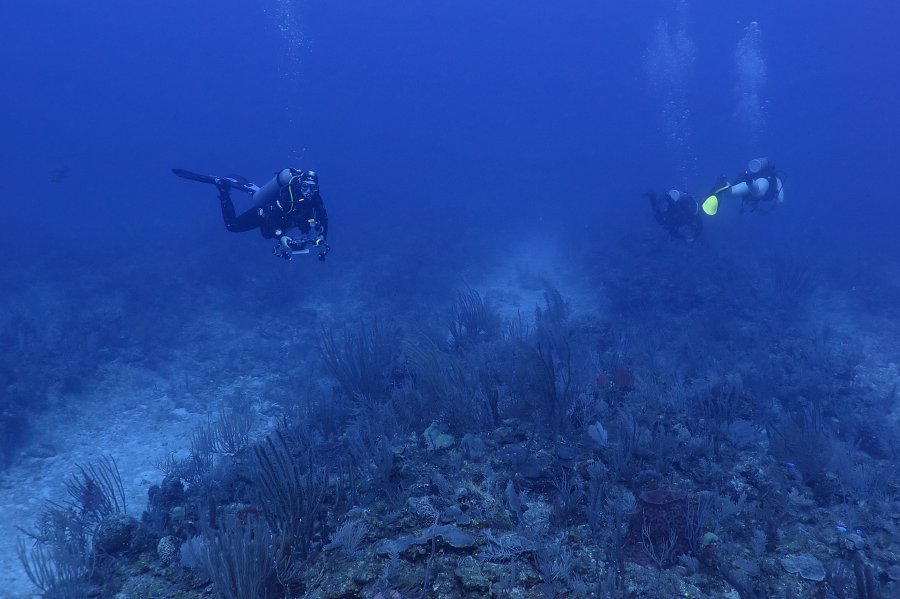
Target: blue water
[
  {"x": 445, "y": 135},
  {"x": 420, "y": 114}
]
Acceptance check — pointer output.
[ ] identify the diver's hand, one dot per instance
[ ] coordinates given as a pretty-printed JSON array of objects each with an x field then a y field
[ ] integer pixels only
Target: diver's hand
[
  {"x": 324, "y": 248},
  {"x": 280, "y": 251}
]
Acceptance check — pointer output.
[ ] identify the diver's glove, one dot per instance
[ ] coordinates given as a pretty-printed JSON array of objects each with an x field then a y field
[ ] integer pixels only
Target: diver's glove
[
  {"x": 287, "y": 246},
  {"x": 325, "y": 248},
  {"x": 319, "y": 244},
  {"x": 279, "y": 251}
]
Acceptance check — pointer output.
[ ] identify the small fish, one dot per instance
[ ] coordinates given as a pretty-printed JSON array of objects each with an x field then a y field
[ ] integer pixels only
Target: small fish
[
  {"x": 841, "y": 528},
  {"x": 789, "y": 464}
]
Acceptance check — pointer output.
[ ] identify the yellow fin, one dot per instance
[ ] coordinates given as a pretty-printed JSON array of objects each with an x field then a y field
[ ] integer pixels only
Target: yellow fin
[{"x": 711, "y": 205}]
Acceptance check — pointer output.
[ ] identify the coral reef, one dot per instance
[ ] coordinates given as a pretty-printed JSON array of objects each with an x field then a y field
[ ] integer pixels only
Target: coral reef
[{"x": 552, "y": 452}]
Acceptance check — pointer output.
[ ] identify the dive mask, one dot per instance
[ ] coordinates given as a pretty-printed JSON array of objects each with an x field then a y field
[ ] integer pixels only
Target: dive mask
[
  {"x": 300, "y": 187},
  {"x": 308, "y": 189}
]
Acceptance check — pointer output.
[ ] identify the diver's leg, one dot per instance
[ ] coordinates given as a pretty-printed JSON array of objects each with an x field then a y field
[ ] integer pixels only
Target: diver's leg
[{"x": 247, "y": 221}]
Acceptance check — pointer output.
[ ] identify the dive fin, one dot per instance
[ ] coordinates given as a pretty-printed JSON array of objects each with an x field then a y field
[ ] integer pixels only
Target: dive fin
[
  {"x": 194, "y": 176},
  {"x": 237, "y": 182},
  {"x": 243, "y": 183}
]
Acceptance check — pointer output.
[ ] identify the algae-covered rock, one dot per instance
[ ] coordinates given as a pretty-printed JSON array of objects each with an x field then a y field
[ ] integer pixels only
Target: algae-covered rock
[
  {"x": 436, "y": 439},
  {"x": 473, "y": 447},
  {"x": 894, "y": 572},
  {"x": 450, "y": 534},
  {"x": 119, "y": 534},
  {"x": 805, "y": 565},
  {"x": 142, "y": 586},
  {"x": 472, "y": 577},
  {"x": 854, "y": 542}
]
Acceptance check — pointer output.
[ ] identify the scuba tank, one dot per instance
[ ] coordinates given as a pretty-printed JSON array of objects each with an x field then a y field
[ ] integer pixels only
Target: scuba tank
[
  {"x": 271, "y": 191},
  {"x": 675, "y": 194},
  {"x": 757, "y": 165},
  {"x": 759, "y": 187}
]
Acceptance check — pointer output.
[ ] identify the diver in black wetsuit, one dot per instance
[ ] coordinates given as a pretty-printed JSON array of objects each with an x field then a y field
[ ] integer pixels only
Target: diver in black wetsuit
[
  {"x": 290, "y": 200},
  {"x": 678, "y": 213}
]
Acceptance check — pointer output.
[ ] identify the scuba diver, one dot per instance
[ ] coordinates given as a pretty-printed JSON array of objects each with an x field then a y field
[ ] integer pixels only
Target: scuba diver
[
  {"x": 289, "y": 200},
  {"x": 759, "y": 187},
  {"x": 678, "y": 213}
]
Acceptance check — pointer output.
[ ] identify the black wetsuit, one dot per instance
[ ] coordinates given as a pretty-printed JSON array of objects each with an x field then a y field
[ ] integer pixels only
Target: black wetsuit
[
  {"x": 272, "y": 221},
  {"x": 680, "y": 218}
]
